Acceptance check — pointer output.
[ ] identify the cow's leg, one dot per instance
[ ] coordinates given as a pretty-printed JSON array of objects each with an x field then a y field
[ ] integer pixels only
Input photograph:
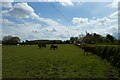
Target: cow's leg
[
  {"x": 50, "y": 47},
  {"x": 84, "y": 52},
  {"x": 87, "y": 53}
]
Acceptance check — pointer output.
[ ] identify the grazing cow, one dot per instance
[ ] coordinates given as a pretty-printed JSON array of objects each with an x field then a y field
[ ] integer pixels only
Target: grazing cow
[
  {"x": 53, "y": 46},
  {"x": 87, "y": 49},
  {"x": 41, "y": 45}
]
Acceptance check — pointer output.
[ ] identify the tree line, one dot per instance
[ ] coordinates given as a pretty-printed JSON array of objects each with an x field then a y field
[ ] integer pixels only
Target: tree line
[{"x": 93, "y": 38}]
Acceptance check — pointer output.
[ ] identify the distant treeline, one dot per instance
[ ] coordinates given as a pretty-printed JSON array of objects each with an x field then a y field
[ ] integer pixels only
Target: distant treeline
[
  {"x": 95, "y": 38},
  {"x": 42, "y": 42},
  {"x": 92, "y": 38},
  {"x": 10, "y": 40}
]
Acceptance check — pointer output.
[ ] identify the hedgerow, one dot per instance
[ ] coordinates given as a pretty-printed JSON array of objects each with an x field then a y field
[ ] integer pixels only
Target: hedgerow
[{"x": 109, "y": 53}]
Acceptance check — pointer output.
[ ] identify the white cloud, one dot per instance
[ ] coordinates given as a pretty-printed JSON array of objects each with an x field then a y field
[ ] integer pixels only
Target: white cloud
[
  {"x": 6, "y": 4},
  {"x": 115, "y": 15},
  {"x": 27, "y": 12},
  {"x": 6, "y": 0},
  {"x": 24, "y": 30},
  {"x": 114, "y": 4},
  {"x": 33, "y": 30},
  {"x": 21, "y": 10},
  {"x": 66, "y": 2},
  {"x": 101, "y": 25},
  {"x": 86, "y": 21},
  {"x": 80, "y": 20},
  {"x": 58, "y": 20},
  {"x": 62, "y": 2},
  {"x": 53, "y": 30}
]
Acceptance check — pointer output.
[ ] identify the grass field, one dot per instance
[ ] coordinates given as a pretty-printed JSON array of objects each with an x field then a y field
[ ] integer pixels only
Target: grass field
[{"x": 68, "y": 61}]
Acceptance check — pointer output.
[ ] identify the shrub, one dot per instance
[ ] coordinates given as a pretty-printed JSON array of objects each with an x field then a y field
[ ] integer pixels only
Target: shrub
[{"x": 109, "y": 53}]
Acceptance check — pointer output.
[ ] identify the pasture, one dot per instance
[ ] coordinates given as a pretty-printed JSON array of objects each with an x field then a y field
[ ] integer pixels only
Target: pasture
[{"x": 68, "y": 61}]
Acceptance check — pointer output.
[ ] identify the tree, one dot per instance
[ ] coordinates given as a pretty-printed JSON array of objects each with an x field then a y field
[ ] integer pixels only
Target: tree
[
  {"x": 10, "y": 40},
  {"x": 15, "y": 39},
  {"x": 110, "y": 38},
  {"x": 73, "y": 39},
  {"x": 88, "y": 38},
  {"x": 6, "y": 38}
]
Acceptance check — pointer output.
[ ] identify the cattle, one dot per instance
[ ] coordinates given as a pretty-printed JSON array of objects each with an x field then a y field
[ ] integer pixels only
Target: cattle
[
  {"x": 41, "y": 45},
  {"x": 53, "y": 46},
  {"x": 87, "y": 49}
]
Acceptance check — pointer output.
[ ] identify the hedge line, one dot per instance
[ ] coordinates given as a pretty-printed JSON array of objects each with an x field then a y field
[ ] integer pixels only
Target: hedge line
[{"x": 109, "y": 53}]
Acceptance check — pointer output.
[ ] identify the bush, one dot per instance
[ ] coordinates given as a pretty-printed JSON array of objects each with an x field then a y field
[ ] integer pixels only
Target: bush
[{"x": 109, "y": 53}]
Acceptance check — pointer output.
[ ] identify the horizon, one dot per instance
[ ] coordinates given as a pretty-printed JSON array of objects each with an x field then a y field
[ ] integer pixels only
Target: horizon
[{"x": 58, "y": 21}]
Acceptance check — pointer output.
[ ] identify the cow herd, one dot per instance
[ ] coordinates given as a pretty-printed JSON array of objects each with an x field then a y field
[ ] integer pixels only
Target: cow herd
[
  {"x": 86, "y": 49},
  {"x": 52, "y": 47}
]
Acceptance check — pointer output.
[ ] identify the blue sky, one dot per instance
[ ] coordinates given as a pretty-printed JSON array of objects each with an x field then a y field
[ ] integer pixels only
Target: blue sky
[
  {"x": 84, "y": 10},
  {"x": 58, "y": 20}
]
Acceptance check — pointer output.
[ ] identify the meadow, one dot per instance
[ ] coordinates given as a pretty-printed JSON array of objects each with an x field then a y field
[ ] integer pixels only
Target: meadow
[{"x": 68, "y": 61}]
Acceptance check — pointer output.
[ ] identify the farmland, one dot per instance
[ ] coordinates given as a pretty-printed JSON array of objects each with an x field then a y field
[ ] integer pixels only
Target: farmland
[{"x": 68, "y": 61}]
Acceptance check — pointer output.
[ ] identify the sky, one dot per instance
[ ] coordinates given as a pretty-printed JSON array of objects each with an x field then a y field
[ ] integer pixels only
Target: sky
[{"x": 58, "y": 20}]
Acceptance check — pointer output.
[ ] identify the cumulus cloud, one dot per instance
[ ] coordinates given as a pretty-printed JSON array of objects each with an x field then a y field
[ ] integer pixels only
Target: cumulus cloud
[
  {"x": 101, "y": 25},
  {"x": 34, "y": 30},
  {"x": 86, "y": 21},
  {"x": 53, "y": 29},
  {"x": 62, "y": 2},
  {"x": 7, "y": 5},
  {"x": 66, "y": 2},
  {"x": 27, "y": 11},
  {"x": 80, "y": 20},
  {"x": 58, "y": 20},
  {"x": 4, "y": 21},
  {"x": 114, "y": 4},
  {"x": 24, "y": 30},
  {"x": 115, "y": 15},
  {"x": 6, "y": 0},
  {"x": 31, "y": 28}
]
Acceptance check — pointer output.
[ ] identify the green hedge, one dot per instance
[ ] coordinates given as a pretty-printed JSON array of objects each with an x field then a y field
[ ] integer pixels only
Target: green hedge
[{"x": 109, "y": 53}]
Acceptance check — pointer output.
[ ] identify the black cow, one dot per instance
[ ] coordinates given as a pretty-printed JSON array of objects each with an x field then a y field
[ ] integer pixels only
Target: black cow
[
  {"x": 41, "y": 45},
  {"x": 53, "y": 46},
  {"x": 87, "y": 49}
]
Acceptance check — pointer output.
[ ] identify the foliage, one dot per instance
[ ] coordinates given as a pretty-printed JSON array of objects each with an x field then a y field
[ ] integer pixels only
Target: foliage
[
  {"x": 73, "y": 39},
  {"x": 110, "y": 38},
  {"x": 42, "y": 42},
  {"x": 95, "y": 38},
  {"x": 10, "y": 40},
  {"x": 110, "y": 53}
]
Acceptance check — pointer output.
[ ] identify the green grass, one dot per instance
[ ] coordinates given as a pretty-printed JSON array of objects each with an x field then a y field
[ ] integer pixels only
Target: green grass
[{"x": 68, "y": 61}]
